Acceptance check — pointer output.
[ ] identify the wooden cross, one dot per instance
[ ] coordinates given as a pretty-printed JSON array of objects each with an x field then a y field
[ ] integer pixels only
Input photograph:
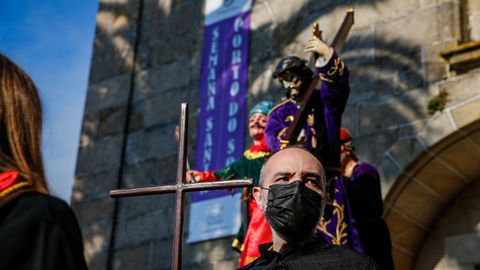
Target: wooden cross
[{"x": 179, "y": 189}]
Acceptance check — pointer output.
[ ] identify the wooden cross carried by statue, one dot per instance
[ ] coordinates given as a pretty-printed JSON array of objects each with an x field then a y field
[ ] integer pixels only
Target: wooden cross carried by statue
[
  {"x": 308, "y": 101},
  {"x": 179, "y": 189}
]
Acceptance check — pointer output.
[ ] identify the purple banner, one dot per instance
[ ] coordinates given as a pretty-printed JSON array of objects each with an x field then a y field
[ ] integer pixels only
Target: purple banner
[{"x": 223, "y": 91}]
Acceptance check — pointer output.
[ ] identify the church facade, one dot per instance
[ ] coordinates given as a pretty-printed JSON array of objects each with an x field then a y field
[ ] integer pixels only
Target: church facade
[{"x": 414, "y": 111}]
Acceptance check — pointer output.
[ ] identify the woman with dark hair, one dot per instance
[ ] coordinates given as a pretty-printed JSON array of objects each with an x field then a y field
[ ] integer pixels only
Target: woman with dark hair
[{"x": 37, "y": 231}]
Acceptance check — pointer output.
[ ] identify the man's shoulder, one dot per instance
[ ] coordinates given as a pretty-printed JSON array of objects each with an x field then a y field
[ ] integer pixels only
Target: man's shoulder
[
  {"x": 343, "y": 258},
  {"x": 252, "y": 265},
  {"x": 327, "y": 256},
  {"x": 317, "y": 255},
  {"x": 266, "y": 256},
  {"x": 334, "y": 257}
]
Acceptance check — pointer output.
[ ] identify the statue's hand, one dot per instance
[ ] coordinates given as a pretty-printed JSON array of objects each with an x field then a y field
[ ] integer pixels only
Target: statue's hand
[
  {"x": 194, "y": 176},
  {"x": 318, "y": 46}
]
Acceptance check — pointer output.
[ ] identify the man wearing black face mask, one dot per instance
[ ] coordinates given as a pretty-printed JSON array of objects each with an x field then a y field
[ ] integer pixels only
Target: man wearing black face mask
[{"x": 292, "y": 195}]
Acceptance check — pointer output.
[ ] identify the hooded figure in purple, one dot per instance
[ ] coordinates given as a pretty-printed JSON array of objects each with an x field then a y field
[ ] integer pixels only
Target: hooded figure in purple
[
  {"x": 363, "y": 188},
  {"x": 321, "y": 132}
]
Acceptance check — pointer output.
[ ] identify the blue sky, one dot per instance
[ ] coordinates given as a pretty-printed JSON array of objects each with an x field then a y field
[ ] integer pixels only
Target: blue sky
[{"x": 53, "y": 40}]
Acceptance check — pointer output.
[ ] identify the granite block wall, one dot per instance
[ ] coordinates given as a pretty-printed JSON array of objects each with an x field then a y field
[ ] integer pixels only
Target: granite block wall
[{"x": 146, "y": 60}]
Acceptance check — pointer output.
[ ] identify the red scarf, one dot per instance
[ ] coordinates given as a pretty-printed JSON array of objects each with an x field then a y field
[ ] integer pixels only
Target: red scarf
[
  {"x": 12, "y": 185},
  {"x": 7, "y": 179}
]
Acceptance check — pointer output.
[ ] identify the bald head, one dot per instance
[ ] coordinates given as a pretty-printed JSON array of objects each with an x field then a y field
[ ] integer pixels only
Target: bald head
[{"x": 292, "y": 164}]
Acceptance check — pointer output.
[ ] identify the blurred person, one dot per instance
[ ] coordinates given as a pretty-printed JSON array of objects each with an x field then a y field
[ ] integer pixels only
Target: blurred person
[
  {"x": 37, "y": 230},
  {"x": 365, "y": 197}
]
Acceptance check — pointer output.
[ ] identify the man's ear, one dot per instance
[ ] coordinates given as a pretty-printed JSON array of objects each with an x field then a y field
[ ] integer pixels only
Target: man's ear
[{"x": 257, "y": 196}]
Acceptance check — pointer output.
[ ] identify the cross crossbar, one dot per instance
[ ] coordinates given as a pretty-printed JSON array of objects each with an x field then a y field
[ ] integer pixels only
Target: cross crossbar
[
  {"x": 144, "y": 191},
  {"x": 180, "y": 188}
]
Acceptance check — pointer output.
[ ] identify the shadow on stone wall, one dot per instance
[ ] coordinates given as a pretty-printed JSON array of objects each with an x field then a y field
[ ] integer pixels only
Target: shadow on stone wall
[
  {"x": 155, "y": 55},
  {"x": 145, "y": 63},
  {"x": 389, "y": 92}
]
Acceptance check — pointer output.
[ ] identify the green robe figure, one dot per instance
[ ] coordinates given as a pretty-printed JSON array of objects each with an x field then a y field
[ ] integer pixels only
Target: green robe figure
[{"x": 255, "y": 229}]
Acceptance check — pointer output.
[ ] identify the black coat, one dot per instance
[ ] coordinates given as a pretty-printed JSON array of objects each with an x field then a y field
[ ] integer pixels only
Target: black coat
[
  {"x": 315, "y": 253},
  {"x": 38, "y": 231}
]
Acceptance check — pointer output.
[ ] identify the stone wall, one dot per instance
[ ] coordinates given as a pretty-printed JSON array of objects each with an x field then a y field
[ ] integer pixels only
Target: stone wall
[{"x": 146, "y": 61}]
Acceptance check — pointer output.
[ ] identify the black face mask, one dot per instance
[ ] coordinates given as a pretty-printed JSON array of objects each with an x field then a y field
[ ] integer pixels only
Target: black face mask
[{"x": 293, "y": 210}]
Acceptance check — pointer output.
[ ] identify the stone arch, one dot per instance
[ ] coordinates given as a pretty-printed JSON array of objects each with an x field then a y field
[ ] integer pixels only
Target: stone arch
[
  {"x": 454, "y": 239},
  {"x": 426, "y": 187}
]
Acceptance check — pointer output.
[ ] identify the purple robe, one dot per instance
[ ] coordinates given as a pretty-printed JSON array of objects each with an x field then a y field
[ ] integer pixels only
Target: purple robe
[
  {"x": 321, "y": 136},
  {"x": 365, "y": 198}
]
